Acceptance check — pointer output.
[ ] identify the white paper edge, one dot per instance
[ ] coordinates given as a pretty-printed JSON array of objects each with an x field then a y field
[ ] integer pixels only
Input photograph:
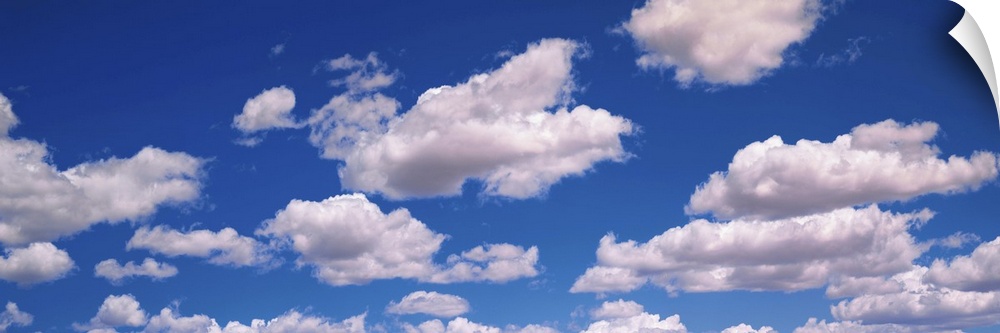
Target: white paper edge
[{"x": 970, "y": 35}]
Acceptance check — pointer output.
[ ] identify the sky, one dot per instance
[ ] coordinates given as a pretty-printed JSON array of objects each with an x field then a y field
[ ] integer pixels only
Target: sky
[{"x": 461, "y": 166}]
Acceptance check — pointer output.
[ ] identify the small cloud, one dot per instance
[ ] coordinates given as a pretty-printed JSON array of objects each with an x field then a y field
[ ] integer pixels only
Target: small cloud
[
  {"x": 278, "y": 50},
  {"x": 847, "y": 56}
]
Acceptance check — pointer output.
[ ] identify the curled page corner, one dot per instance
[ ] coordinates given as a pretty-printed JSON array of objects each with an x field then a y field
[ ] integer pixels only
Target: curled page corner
[{"x": 976, "y": 38}]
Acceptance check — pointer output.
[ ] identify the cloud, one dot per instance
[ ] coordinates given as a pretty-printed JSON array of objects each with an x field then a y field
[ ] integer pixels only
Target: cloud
[
  {"x": 269, "y": 110},
  {"x": 350, "y": 241},
  {"x": 12, "y": 316},
  {"x": 431, "y": 303},
  {"x": 463, "y": 325},
  {"x": 920, "y": 306},
  {"x": 116, "y": 273},
  {"x": 289, "y": 322},
  {"x": 703, "y": 256},
  {"x": 847, "y": 56},
  {"x": 617, "y": 309},
  {"x": 642, "y": 322},
  {"x": 116, "y": 311},
  {"x": 814, "y": 326},
  {"x": 744, "y": 328},
  {"x": 509, "y": 128},
  {"x": 879, "y": 162},
  {"x": 36, "y": 263},
  {"x": 979, "y": 271},
  {"x": 730, "y": 42},
  {"x": 8, "y": 120},
  {"x": 225, "y": 247},
  {"x": 278, "y": 50},
  {"x": 368, "y": 74}
]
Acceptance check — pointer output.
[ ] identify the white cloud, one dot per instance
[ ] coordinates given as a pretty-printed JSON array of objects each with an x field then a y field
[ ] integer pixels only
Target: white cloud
[
  {"x": 508, "y": 128},
  {"x": 849, "y": 55},
  {"x": 289, "y": 322},
  {"x": 278, "y": 50},
  {"x": 40, "y": 203},
  {"x": 116, "y": 311},
  {"x": 368, "y": 74},
  {"x": 753, "y": 255},
  {"x": 115, "y": 273},
  {"x": 617, "y": 309},
  {"x": 979, "y": 271},
  {"x": 225, "y": 247},
  {"x": 350, "y": 241},
  {"x": 7, "y": 118},
  {"x": 744, "y": 328},
  {"x": 431, "y": 303},
  {"x": 269, "y": 110},
  {"x": 36, "y": 263},
  {"x": 880, "y": 162},
  {"x": 814, "y": 326},
  {"x": 12, "y": 316},
  {"x": 463, "y": 325},
  {"x": 919, "y": 305},
  {"x": 725, "y": 42},
  {"x": 643, "y": 322}
]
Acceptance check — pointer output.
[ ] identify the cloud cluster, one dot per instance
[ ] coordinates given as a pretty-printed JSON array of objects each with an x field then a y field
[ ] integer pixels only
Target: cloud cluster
[
  {"x": 116, "y": 273},
  {"x": 509, "y": 128},
  {"x": 348, "y": 240},
  {"x": 35, "y": 263},
  {"x": 881, "y": 162},
  {"x": 463, "y": 325},
  {"x": 430, "y": 303},
  {"x": 752, "y": 255},
  {"x": 116, "y": 311},
  {"x": 225, "y": 247},
  {"x": 269, "y": 110},
  {"x": 292, "y": 321},
  {"x": 12, "y": 316},
  {"x": 725, "y": 42}
]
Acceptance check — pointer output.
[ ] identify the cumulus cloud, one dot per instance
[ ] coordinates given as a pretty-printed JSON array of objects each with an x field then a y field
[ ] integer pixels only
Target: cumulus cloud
[
  {"x": 703, "y": 256},
  {"x": 348, "y": 240},
  {"x": 36, "y": 263},
  {"x": 920, "y": 306},
  {"x": 116, "y": 273},
  {"x": 979, "y": 271},
  {"x": 7, "y": 118},
  {"x": 617, "y": 309},
  {"x": 643, "y": 322},
  {"x": 880, "y": 162},
  {"x": 225, "y": 247},
  {"x": 12, "y": 316},
  {"x": 463, "y": 325},
  {"x": 729, "y": 42},
  {"x": 509, "y": 128},
  {"x": 269, "y": 110},
  {"x": 122, "y": 310},
  {"x": 744, "y": 328},
  {"x": 292, "y": 321},
  {"x": 431, "y": 303},
  {"x": 814, "y": 326}
]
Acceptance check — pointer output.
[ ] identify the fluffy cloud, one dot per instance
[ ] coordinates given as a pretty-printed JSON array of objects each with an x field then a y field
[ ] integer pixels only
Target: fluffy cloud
[
  {"x": 12, "y": 316},
  {"x": 271, "y": 109},
  {"x": 508, "y": 128},
  {"x": 7, "y": 118},
  {"x": 879, "y": 162},
  {"x": 617, "y": 309},
  {"x": 350, "y": 241},
  {"x": 728, "y": 42},
  {"x": 115, "y": 273},
  {"x": 291, "y": 321},
  {"x": 463, "y": 325},
  {"x": 753, "y": 255},
  {"x": 116, "y": 311},
  {"x": 814, "y": 326},
  {"x": 225, "y": 247},
  {"x": 368, "y": 74},
  {"x": 431, "y": 303},
  {"x": 919, "y": 305},
  {"x": 643, "y": 322},
  {"x": 744, "y": 328},
  {"x": 36, "y": 263},
  {"x": 979, "y": 271}
]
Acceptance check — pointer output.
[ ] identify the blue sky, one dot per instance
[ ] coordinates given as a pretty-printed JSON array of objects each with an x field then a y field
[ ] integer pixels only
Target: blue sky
[{"x": 560, "y": 166}]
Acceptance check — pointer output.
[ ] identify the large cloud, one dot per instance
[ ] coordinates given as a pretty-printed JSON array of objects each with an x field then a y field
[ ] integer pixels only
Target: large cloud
[
  {"x": 617, "y": 309},
  {"x": 269, "y": 110},
  {"x": 754, "y": 255},
  {"x": 225, "y": 247},
  {"x": 39, "y": 203},
  {"x": 116, "y": 273},
  {"x": 116, "y": 311},
  {"x": 643, "y": 322},
  {"x": 508, "y": 128},
  {"x": 431, "y": 303},
  {"x": 12, "y": 316},
  {"x": 880, "y": 162},
  {"x": 814, "y": 326},
  {"x": 463, "y": 325},
  {"x": 920, "y": 306},
  {"x": 979, "y": 271},
  {"x": 350, "y": 241},
  {"x": 36, "y": 263},
  {"x": 289, "y": 322},
  {"x": 726, "y": 42}
]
